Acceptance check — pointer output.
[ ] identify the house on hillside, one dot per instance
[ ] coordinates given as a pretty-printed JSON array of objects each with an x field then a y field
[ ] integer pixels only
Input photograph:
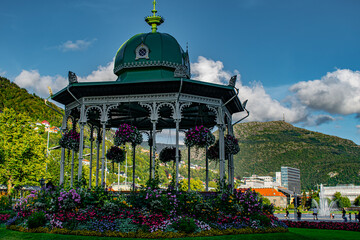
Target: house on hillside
[{"x": 45, "y": 123}]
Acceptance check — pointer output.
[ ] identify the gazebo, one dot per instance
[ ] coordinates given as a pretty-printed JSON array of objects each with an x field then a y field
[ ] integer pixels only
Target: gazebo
[{"x": 153, "y": 91}]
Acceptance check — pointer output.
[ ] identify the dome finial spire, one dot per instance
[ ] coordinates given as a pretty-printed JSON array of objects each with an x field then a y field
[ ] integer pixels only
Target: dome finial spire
[
  {"x": 154, "y": 20},
  {"x": 154, "y": 11}
]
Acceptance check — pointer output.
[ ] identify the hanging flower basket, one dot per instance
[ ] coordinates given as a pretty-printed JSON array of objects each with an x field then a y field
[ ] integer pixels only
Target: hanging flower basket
[
  {"x": 115, "y": 154},
  {"x": 127, "y": 133},
  {"x": 70, "y": 140},
  {"x": 213, "y": 151},
  {"x": 199, "y": 136},
  {"x": 231, "y": 147},
  {"x": 168, "y": 154}
]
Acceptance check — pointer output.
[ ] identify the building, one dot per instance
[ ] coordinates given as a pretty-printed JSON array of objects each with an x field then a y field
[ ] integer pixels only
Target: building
[
  {"x": 290, "y": 179},
  {"x": 258, "y": 182},
  {"x": 351, "y": 191},
  {"x": 277, "y": 198}
]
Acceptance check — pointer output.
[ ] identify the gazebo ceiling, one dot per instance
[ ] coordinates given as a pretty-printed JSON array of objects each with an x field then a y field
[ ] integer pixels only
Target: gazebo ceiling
[
  {"x": 195, "y": 114},
  {"x": 193, "y": 87}
]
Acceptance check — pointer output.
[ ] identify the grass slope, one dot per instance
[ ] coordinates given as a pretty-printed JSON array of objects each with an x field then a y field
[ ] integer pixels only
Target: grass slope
[
  {"x": 294, "y": 234},
  {"x": 266, "y": 146}
]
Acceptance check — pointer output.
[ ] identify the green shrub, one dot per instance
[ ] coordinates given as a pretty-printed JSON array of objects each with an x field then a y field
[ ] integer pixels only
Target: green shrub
[
  {"x": 37, "y": 219},
  {"x": 5, "y": 203},
  {"x": 344, "y": 202},
  {"x": 185, "y": 224}
]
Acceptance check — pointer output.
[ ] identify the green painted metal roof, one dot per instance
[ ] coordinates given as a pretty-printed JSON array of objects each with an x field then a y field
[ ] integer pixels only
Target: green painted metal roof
[{"x": 164, "y": 54}]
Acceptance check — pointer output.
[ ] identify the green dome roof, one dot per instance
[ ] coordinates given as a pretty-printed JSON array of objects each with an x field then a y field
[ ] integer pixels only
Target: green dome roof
[{"x": 151, "y": 57}]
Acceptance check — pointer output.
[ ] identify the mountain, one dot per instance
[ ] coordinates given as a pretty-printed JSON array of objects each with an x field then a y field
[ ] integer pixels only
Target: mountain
[
  {"x": 12, "y": 96},
  {"x": 266, "y": 146}
]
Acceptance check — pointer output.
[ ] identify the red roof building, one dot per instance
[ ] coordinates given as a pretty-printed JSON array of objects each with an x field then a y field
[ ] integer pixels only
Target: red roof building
[{"x": 277, "y": 198}]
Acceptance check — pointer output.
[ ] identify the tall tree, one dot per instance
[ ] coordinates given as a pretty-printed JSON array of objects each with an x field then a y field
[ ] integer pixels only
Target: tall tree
[{"x": 22, "y": 160}]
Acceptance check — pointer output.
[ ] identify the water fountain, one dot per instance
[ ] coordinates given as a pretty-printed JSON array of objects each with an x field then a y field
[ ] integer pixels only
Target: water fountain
[{"x": 324, "y": 209}]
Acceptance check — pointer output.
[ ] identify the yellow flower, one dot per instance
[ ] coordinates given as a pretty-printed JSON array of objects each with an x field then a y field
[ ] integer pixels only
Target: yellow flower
[
  {"x": 230, "y": 201},
  {"x": 124, "y": 202}
]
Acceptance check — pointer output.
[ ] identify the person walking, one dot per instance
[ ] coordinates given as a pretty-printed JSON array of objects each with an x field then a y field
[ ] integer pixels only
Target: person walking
[
  {"x": 298, "y": 215},
  {"x": 344, "y": 215},
  {"x": 287, "y": 214},
  {"x": 315, "y": 213},
  {"x": 350, "y": 216}
]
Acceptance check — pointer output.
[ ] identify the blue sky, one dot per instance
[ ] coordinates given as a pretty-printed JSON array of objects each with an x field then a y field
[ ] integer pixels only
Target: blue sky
[{"x": 298, "y": 59}]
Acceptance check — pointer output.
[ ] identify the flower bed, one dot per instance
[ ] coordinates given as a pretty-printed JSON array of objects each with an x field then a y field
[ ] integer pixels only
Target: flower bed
[
  {"x": 348, "y": 226},
  {"x": 4, "y": 217},
  {"x": 150, "y": 213}
]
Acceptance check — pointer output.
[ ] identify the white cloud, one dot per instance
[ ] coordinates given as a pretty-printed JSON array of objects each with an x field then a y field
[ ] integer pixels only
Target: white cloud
[
  {"x": 32, "y": 81},
  {"x": 337, "y": 92},
  {"x": 261, "y": 105},
  {"x": 101, "y": 74},
  {"x": 208, "y": 70},
  {"x": 76, "y": 46}
]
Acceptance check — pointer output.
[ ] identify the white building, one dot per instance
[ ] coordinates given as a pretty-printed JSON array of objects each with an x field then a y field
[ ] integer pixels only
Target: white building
[
  {"x": 351, "y": 191},
  {"x": 258, "y": 182}
]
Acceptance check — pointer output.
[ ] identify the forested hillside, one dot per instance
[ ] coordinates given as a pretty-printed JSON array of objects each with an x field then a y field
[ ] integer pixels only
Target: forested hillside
[
  {"x": 12, "y": 96},
  {"x": 265, "y": 147}
]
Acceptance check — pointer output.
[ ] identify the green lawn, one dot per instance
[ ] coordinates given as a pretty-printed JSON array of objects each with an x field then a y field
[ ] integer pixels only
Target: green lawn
[{"x": 293, "y": 234}]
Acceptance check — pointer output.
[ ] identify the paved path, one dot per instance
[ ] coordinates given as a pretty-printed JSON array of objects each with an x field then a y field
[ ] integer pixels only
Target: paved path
[{"x": 309, "y": 217}]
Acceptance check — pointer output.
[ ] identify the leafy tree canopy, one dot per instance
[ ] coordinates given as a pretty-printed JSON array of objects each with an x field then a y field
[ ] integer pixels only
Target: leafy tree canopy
[
  {"x": 195, "y": 185},
  {"x": 22, "y": 150},
  {"x": 357, "y": 201}
]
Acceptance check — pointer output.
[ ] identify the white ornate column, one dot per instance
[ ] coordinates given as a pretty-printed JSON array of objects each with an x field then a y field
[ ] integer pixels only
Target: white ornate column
[
  {"x": 91, "y": 154},
  {"x": 82, "y": 123},
  {"x": 221, "y": 126},
  {"x": 231, "y": 157},
  {"x": 72, "y": 168},
  {"x": 104, "y": 119},
  {"x": 154, "y": 119},
  {"x": 62, "y": 160},
  {"x": 154, "y": 148},
  {"x": 98, "y": 140},
  {"x": 81, "y": 149}
]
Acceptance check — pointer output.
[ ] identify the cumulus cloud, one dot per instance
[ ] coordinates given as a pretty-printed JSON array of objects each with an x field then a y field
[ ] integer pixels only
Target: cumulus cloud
[
  {"x": 34, "y": 82},
  {"x": 261, "y": 105},
  {"x": 208, "y": 70},
  {"x": 337, "y": 92},
  {"x": 76, "y": 46},
  {"x": 101, "y": 74}
]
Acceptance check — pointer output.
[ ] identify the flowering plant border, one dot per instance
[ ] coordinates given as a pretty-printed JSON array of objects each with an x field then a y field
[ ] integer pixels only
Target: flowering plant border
[
  {"x": 127, "y": 133},
  {"x": 348, "y": 226},
  {"x": 70, "y": 140},
  {"x": 199, "y": 136}
]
